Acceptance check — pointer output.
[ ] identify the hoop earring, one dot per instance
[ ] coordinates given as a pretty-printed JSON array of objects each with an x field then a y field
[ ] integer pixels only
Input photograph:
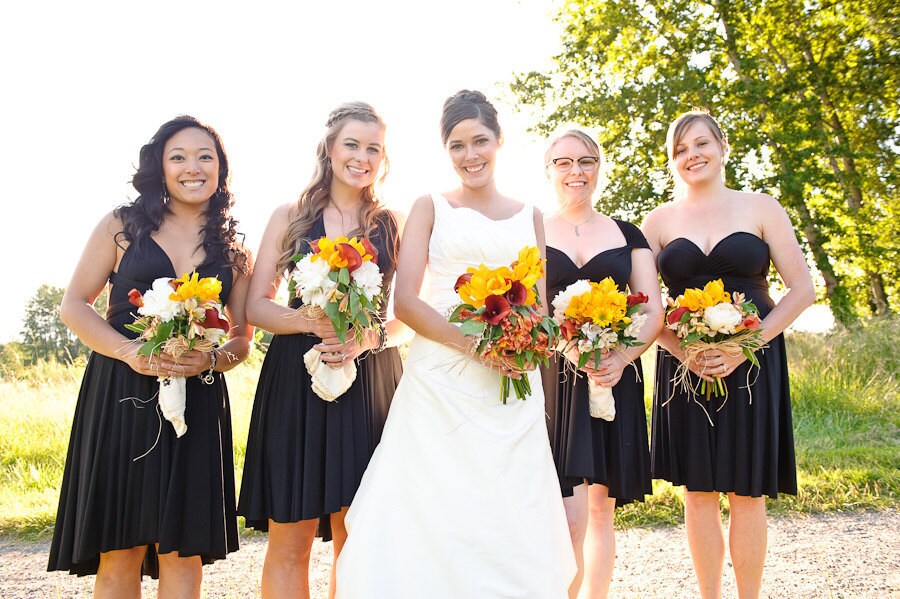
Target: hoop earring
[{"x": 164, "y": 195}]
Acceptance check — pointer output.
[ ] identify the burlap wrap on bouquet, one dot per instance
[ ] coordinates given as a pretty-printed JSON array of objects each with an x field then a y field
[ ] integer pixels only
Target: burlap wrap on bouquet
[{"x": 327, "y": 382}]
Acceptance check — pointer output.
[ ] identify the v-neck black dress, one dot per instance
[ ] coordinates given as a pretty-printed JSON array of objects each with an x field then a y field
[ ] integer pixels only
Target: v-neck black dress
[
  {"x": 615, "y": 454},
  {"x": 749, "y": 448},
  {"x": 306, "y": 456},
  {"x": 181, "y": 494}
]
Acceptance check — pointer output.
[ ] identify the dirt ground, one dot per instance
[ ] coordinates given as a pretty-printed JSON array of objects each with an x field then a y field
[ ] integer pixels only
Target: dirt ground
[{"x": 836, "y": 555}]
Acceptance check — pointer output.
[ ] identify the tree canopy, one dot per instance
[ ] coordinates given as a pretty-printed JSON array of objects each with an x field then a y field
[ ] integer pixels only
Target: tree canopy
[{"x": 807, "y": 93}]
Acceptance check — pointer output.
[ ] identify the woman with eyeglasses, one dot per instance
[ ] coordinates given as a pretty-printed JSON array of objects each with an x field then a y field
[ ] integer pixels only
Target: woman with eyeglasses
[{"x": 601, "y": 463}]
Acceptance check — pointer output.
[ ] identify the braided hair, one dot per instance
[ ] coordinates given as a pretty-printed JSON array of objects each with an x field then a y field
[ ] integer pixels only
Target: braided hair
[
  {"x": 145, "y": 214},
  {"x": 314, "y": 198}
]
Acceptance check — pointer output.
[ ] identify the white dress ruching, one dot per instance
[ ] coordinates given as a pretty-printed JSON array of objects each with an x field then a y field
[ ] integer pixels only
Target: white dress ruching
[{"x": 461, "y": 498}]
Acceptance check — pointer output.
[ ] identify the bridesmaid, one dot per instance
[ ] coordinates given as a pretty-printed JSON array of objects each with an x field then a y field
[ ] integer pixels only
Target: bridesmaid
[
  {"x": 171, "y": 510},
  {"x": 601, "y": 464},
  {"x": 708, "y": 232},
  {"x": 306, "y": 456}
]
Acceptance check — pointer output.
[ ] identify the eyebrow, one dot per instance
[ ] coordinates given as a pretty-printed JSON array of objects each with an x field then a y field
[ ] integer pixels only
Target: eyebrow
[
  {"x": 353, "y": 139},
  {"x": 182, "y": 150}
]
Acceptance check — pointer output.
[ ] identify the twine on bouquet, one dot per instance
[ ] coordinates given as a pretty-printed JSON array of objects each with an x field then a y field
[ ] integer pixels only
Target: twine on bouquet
[
  {"x": 175, "y": 347},
  {"x": 732, "y": 348}
]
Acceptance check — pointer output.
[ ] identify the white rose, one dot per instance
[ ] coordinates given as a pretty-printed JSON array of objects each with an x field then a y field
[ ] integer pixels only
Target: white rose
[
  {"x": 313, "y": 282},
  {"x": 634, "y": 327},
  {"x": 157, "y": 302},
  {"x": 368, "y": 277},
  {"x": 562, "y": 299},
  {"x": 722, "y": 318}
]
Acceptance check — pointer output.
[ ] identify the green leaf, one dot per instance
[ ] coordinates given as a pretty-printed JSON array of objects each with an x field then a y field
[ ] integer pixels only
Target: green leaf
[{"x": 472, "y": 327}]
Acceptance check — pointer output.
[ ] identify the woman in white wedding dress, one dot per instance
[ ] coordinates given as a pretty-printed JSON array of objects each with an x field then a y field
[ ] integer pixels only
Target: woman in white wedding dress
[{"x": 460, "y": 499}]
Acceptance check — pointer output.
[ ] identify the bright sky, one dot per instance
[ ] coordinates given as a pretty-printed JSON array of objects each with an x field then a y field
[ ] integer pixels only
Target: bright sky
[{"x": 87, "y": 83}]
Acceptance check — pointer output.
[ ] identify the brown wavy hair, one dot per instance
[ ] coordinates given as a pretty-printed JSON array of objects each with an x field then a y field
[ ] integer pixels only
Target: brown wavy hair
[
  {"x": 315, "y": 197},
  {"x": 145, "y": 215}
]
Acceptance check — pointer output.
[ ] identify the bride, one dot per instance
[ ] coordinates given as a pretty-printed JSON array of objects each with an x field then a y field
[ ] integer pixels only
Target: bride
[{"x": 460, "y": 498}]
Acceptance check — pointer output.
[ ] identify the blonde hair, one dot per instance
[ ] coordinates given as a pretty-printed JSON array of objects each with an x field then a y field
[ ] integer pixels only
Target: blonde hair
[
  {"x": 676, "y": 132},
  {"x": 315, "y": 197},
  {"x": 581, "y": 136}
]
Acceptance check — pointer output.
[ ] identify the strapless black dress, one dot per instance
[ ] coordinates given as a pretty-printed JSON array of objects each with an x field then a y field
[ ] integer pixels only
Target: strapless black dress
[
  {"x": 306, "y": 456},
  {"x": 181, "y": 494},
  {"x": 615, "y": 454},
  {"x": 749, "y": 448}
]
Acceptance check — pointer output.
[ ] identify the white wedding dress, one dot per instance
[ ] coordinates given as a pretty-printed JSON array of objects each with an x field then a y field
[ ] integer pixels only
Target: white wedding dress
[{"x": 461, "y": 498}]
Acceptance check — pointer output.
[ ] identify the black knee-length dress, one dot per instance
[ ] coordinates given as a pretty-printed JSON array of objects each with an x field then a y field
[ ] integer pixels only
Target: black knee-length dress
[
  {"x": 181, "y": 495},
  {"x": 306, "y": 456},
  {"x": 749, "y": 447},
  {"x": 615, "y": 454}
]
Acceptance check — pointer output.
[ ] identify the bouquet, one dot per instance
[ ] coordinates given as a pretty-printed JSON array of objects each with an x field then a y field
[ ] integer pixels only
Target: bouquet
[
  {"x": 712, "y": 318},
  {"x": 339, "y": 278},
  {"x": 593, "y": 318},
  {"x": 500, "y": 306},
  {"x": 176, "y": 316}
]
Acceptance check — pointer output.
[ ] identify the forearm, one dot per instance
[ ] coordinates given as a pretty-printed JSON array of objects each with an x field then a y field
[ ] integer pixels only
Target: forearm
[
  {"x": 426, "y": 321},
  {"x": 93, "y": 330},
  {"x": 276, "y": 318},
  {"x": 785, "y": 312}
]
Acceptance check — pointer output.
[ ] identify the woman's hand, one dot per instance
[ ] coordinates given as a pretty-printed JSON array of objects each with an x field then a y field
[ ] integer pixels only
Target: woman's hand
[
  {"x": 714, "y": 363},
  {"x": 189, "y": 364},
  {"x": 335, "y": 354},
  {"x": 321, "y": 327},
  {"x": 610, "y": 369}
]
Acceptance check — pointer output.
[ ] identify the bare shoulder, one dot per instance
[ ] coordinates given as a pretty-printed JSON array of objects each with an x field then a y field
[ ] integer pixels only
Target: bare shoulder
[
  {"x": 658, "y": 215},
  {"x": 423, "y": 205}
]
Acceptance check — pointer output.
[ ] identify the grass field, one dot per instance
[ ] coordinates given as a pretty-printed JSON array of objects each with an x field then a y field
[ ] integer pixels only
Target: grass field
[{"x": 845, "y": 390}]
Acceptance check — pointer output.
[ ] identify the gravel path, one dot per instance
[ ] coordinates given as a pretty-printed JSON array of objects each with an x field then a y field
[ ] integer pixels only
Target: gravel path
[{"x": 836, "y": 555}]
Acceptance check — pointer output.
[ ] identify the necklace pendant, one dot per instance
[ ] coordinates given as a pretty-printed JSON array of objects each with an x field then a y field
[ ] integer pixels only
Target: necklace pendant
[{"x": 577, "y": 234}]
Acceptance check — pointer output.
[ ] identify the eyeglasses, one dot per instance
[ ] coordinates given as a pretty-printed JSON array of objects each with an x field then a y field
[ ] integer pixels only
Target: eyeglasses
[{"x": 587, "y": 163}]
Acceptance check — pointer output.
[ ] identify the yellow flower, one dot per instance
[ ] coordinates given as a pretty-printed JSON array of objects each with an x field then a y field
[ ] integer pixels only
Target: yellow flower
[
  {"x": 692, "y": 299},
  {"x": 192, "y": 286},
  {"x": 331, "y": 251},
  {"x": 716, "y": 292},
  {"x": 603, "y": 305},
  {"x": 528, "y": 267},
  {"x": 484, "y": 282}
]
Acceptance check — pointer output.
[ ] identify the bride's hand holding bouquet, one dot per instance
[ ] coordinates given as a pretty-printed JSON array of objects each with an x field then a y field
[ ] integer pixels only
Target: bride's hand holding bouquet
[{"x": 500, "y": 309}]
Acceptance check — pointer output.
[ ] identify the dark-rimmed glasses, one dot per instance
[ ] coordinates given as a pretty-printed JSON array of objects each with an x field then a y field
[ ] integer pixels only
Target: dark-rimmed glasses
[{"x": 587, "y": 163}]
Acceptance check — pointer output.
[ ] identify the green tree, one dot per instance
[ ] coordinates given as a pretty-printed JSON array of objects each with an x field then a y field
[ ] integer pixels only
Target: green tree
[
  {"x": 808, "y": 93},
  {"x": 44, "y": 335}
]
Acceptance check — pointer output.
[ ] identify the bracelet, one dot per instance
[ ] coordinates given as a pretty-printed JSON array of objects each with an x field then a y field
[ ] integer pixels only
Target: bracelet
[
  {"x": 207, "y": 378},
  {"x": 382, "y": 340}
]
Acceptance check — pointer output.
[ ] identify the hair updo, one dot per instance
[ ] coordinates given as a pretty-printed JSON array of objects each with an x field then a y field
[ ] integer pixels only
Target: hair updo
[{"x": 467, "y": 104}]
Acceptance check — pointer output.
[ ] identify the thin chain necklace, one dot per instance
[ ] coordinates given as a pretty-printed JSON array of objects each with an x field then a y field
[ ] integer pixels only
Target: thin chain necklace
[
  {"x": 344, "y": 231},
  {"x": 581, "y": 224}
]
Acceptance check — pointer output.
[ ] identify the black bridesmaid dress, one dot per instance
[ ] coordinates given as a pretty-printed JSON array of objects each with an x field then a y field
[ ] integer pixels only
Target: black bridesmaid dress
[
  {"x": 615, "y": 454},
  {"x": 749, "y": 447},
  {"x": 181, "y": 494},
  {"x": 306, "y": 456}
]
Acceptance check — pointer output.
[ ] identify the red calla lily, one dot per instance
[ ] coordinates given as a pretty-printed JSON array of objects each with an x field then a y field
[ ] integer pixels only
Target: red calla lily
[
  {"x": 517, "y": 293},
  {"x": 462, "y": 280},
  {"x": 351, "y": 255},
  {"x": 370, "y": 249},
  {"x": 676, "y": 314},
  {"x": 637, "y": 298},
  {"x": 496, "y": 308},
  {"x": 212, "y": 320}
]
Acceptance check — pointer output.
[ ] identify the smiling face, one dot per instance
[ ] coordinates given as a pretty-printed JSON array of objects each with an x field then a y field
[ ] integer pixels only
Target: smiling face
[
  {"x": 473, "y": 147},
  {"x": 575, "y": 185},
  {"x": 191, "y": 166},
  {"x": 357, "y": 153},
  {"x": 699, "y": 155}
]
